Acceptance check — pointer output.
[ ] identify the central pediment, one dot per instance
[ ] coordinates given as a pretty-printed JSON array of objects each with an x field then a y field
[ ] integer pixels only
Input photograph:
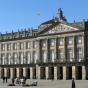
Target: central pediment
[{"x": 59, "y": 28}]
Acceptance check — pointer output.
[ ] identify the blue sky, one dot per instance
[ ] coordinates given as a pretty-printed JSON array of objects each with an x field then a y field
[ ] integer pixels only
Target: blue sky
[{"x": 18, "y": 14}]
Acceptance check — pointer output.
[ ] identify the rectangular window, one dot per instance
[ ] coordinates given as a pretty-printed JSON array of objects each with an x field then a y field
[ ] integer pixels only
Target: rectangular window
[
  {"x": 69, "y": 40},
  {"x": 52, "y": 55},
  {"x": 2, "y": 47},
  {"x": 35, "y": 55},
  {"x": 14, "y": 46},
  {"x": 70, "y": 55},
  {"x": 21, "y": 45},
  {"x": 15, "y": 57},
  {"x": 61, "y": 55},
  {"x": 8, "y": 46},
  {"x": 28, "y": 56},
  {"x": 79, "y": 54},
  {"x": 28, "y": 45},
  {"x": 21, "y": 57},
  {"x": 44, "y": 56},
  {"x": 43, "y": 42},
  {"x": 35, "y": 44},
  {"x": 3, "y": 59},
  {"x": 9, "y": 58},
  {"x": 79, "y": 39},
  {"x": 61, "y": 41},
  {"x": 52, "y": 42}
]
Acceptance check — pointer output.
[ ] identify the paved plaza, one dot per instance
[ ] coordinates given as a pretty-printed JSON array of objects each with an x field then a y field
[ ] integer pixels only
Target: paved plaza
[{"x": 49, "y": 84}]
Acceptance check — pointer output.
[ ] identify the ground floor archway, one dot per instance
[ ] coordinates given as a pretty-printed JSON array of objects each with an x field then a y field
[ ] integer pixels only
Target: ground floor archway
[
  {"x": 2, "y": 72},
  {"x": 34, "y": 72},
  {"x": 42, "y": 73},
  {"x": 28, "y": 73},
  {"x": 79, "y": 72},
  {"x": 69, "y": 73},
  {"x": 61, "y": 73},
  {"x": 8, "y": 73},
  {"x": 51, "y": 72}
]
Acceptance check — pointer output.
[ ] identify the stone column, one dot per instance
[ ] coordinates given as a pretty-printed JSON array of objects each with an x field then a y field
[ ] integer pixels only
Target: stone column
[
  {"x": 24, "y": 72},
  {"x": 32, "y": 59},
  {"x": 73, "y": 72},
  {"x": 64, "y": 72},
  {"x": 55, "y": 73},
  {"x": 5, "y": 72},
  {"x": 74, "y": 50},
  {"x": 31, "y": 72},
  {"x": 37, "y": 72},
  {"x": 47, "y": 72},
  {"x": 39, "y": 51},
  {"x": 83, "y": 73},
  {"x": 65, "y": 48},
  {"x": 48, "y": 53},
  {"x": 0, "y": 72},
  {"x": 18, "y": 72},
  {"x": 11, "y": 72}
]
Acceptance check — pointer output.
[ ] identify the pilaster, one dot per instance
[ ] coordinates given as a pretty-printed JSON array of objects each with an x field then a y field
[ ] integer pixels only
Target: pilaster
[
  {"x": 55, "y": 73},
  {"x": 11, "y": 72},
  {"x": 18, "y": 72},
  {"x": 0, "y": 72},
  {"x": 64, "y": 72},
  {"x": 47, "y": 72},
  {"x": 83, "y": 73},
  {"x": 74, "y": 72},
  {"x": 5, "y": 72},
  {"x": 37, "y": 72},
  {"x": 31, "y": 72},
  {"x": 24, "y": 72}
]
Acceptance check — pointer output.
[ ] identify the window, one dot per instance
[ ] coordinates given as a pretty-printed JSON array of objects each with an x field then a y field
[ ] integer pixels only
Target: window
[
  {"x": 9, "y": 46},
  {"x": 9, "y": 58},
  {"x": 61, "y": 41},
  {"x": 14, "y": 46},
  {"x": 3, "y": 58},
  {"x": 61, "y": 55},
  {"x": 16, "y": 61},
  {"x": 44, "y": 56},
  {"x": 52, "y": 42},
  {"x": 79, "y": 54},
  {"x": 69, "y": 55},
  {"x": 69, "y": 40},
  {"x": 79, "y": 39},
  {"x": 43, "y": 43},
  {"x": 35, "y": 44},
  {"x": 21, "y": 57},
  {"x": 21, "y": 45},
  {"x": 28, "y": 56},
  {"x": 52, "y": 55},
  {"x": 35, "y": 55},
  {"x": 28, "y": 45},
  {"x": 2, "y": 47}
]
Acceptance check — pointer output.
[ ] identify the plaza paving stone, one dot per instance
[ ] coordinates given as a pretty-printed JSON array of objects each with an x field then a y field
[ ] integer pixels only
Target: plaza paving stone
[{"x": 49, "y": 84}]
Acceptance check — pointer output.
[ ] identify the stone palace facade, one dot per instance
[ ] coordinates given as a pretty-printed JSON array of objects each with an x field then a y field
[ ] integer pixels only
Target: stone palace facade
[{"x": 56, "y": 50}]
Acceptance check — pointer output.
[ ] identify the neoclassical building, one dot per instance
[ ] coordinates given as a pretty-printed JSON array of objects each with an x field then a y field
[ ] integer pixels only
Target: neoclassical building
[{"x": 55, "y": 50}]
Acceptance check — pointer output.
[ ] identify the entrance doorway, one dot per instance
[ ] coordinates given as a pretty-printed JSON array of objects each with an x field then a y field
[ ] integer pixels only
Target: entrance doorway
[
  {"x": 51, "y": 72},
  {"x": 14, "y": 73},
  {"x": 28, "y": 73},
  {"x": 61, "y": 73},
  {"x": 8, "y": 72},
  {"x": 69, "y": 72},
  {"x": 79, "y": 72},
  {"x": 42, "y": 73},
  {"x": 34, "y": 73},
  {"x": 21, "y": 72},
  {"x": 2, "y": 72}
]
